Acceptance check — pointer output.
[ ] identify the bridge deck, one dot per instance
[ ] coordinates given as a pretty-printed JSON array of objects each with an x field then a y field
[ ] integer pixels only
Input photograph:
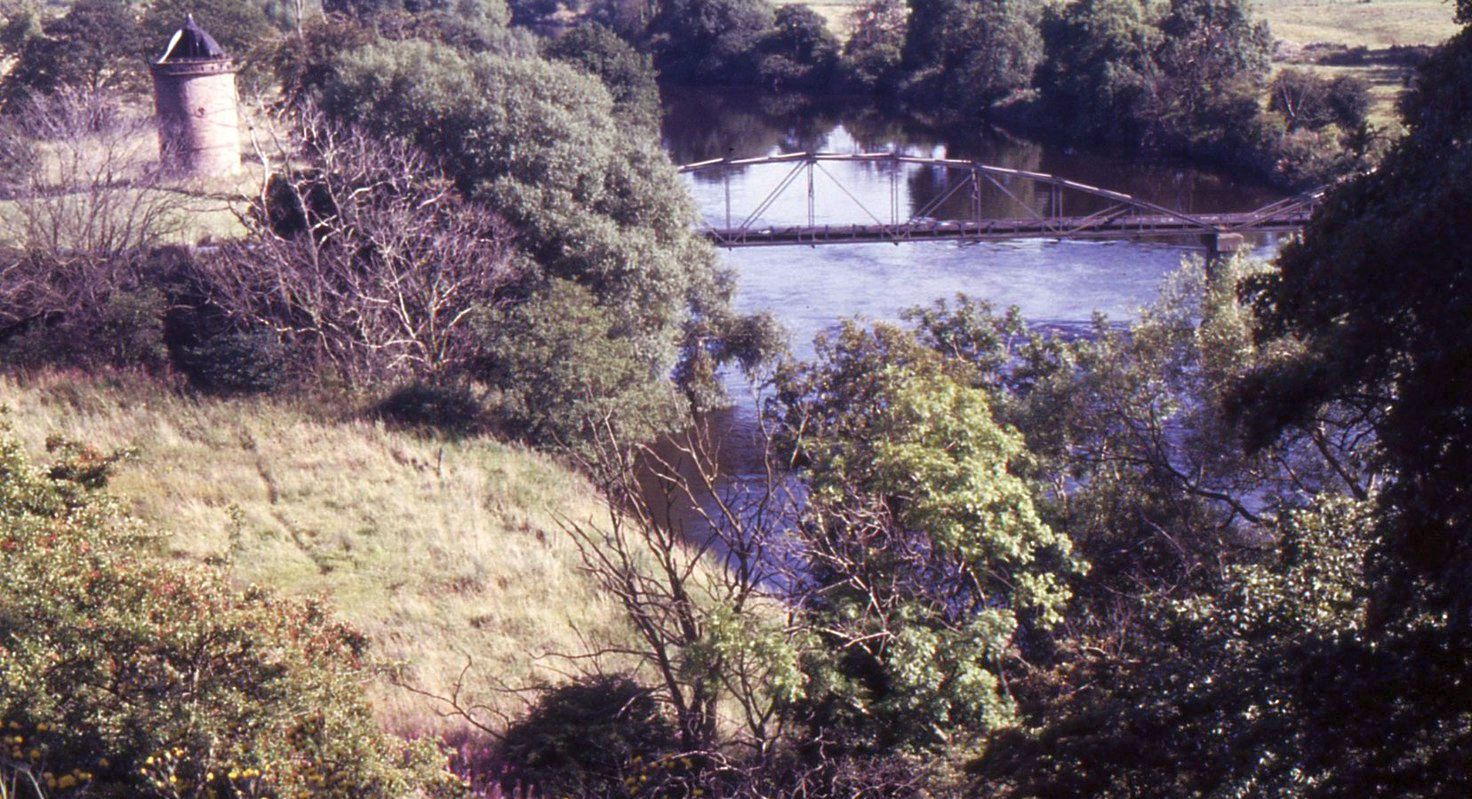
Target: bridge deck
[{"x": 1120, "y": 227}]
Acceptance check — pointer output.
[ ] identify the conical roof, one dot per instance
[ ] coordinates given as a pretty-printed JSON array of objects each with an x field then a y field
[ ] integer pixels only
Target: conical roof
[{"x": 191, "y": 43}]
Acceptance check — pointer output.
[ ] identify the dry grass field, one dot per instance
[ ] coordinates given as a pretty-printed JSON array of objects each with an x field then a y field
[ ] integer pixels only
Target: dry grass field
[
  {"x": 439, "y": 551},
  {"x": 1355, "y": 23}
]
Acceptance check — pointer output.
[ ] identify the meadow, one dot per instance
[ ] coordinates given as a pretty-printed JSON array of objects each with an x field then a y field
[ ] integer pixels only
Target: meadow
[
  {"x": 445, "y": 553},
  {"x": 1375, "y": 24}
]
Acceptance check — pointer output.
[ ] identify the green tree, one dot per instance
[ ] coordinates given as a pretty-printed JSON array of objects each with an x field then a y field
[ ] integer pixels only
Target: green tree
[
  {"x": 562, "y": 370},
  {"x": 970, "y": 54},
  {"x": 799, "y": 52},
  {"x": 627, "y": 73},
  {"x": 927, "y": 554},
  {"x": 21, "y": 23},
  {"x": 1265, "y": 687},
  {"x": 1371, "y": 308},
  {"x": 1132, "y": 432},
  {"x": 1308, "y": 101},
  {"x": 471, "y": 25},
  {"x": 1099, "y": 72},
  {"x": 1214, "y": 64},
  {"x": 708, "y": 41},
  {"x": 539, "y": 143},
  {"x": 95, "y": 47},
  {"x": 874, "y": 50}
]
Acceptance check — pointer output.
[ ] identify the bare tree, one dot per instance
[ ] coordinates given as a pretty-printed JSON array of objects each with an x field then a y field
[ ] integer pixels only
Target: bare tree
[
  {"x": 699, "y": 563},
  {"x": 362, "y": 254},
  {"x": 81, "y": 199}
]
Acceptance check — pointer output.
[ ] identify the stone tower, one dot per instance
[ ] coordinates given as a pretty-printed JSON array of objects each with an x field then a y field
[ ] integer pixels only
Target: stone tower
[{"x": 194, "y": 97}]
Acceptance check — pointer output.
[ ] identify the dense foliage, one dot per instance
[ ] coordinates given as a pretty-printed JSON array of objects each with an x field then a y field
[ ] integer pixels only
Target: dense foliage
[
  {"x": 799, "y": 52},
  {"x": 926, "y": 548},
  {"x": 709, "y": 41},
  {"x": 966, "y": 55},
  {"x": 94, "y": 46},
  {"x": 1371, "y": 308},
  {"x": 628, "y": 74},
  {"x": 1048, "y": 556}
]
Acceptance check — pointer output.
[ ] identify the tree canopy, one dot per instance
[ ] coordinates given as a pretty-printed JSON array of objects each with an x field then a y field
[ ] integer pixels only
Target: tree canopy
[
  {"x": 709, "y": 41},
  {"x": 970, "y": 54}
]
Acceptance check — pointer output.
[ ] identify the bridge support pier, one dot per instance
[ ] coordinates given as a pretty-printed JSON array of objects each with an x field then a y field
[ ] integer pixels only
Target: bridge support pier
[{"x": 1221, "y": 247}]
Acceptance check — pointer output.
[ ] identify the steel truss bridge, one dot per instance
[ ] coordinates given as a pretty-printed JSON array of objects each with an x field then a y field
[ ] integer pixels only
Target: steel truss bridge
[{"x": 980, "y": 203}]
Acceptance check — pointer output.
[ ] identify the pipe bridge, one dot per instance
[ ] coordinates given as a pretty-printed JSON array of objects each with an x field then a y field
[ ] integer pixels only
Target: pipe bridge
[{"x": 978, "y": 202}]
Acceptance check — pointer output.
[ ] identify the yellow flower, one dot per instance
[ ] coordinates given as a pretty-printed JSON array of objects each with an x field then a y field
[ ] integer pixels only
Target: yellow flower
[
  {"x": 67, "y": 781},
  {"x": 103, "y": 762}
]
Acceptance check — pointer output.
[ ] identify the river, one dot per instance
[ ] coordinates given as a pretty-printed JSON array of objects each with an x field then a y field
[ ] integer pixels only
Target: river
[{"x": 1059, "y": 284}]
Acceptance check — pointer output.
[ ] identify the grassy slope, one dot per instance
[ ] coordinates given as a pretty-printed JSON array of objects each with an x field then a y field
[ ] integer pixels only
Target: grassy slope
[{"x": 435, "y": 550}]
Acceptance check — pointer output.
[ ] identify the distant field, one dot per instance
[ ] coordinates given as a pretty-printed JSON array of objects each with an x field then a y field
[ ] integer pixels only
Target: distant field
[
  {"x": 1378, "y": 23},
  {"x": 1374, "y": 25},
  {"x": 436, "y": 550},
  {"x": 837, "y": 13}
]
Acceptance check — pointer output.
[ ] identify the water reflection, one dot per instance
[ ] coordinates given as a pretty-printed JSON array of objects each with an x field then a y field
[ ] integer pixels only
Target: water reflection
[{"x": 708, "y": 124}]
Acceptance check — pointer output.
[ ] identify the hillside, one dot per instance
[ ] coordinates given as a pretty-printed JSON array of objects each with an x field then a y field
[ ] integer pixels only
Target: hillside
[{"x": 438, "y": 551}]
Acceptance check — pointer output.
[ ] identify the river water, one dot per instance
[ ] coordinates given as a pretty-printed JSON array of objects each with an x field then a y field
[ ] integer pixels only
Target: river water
[{"x": 1060, "y": 284}]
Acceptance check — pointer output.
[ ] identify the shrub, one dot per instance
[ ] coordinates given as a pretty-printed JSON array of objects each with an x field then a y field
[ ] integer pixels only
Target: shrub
[
  {"x": 450, "y": 408},
  {"x": 235, "y": 362},
  {"x": 563, "y": 370},
  {"x": 124, "y": 675},
  {"x": 586, "y": 738},
  {"x": 1308, "y": 101},
  {"x": 124, "y": 329}
]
